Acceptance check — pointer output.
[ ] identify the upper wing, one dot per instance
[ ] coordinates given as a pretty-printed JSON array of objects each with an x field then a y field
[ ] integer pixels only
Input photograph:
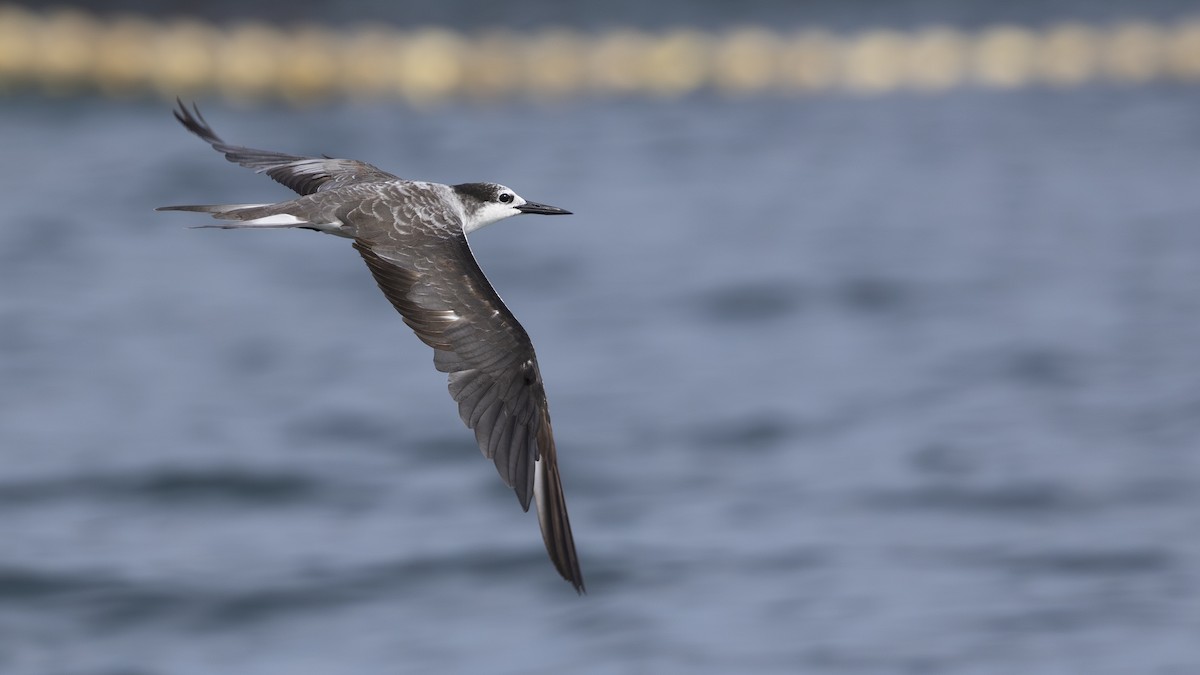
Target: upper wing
[
  {"x": 305, "y": 175},
  {"x": 434, "y": 282}
]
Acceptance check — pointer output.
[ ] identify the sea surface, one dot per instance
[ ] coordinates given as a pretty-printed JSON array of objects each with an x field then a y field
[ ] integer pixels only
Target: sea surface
[{"x": 907, "y": 384}]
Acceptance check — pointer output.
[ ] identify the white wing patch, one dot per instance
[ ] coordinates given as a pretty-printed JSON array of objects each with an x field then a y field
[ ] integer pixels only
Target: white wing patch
[
  {"x": 539, "y": 497},
  {"x": 283, "y": 219}
]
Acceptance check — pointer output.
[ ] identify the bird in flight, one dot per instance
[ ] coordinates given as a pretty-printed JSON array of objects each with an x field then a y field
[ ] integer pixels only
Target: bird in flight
[{"x": 413, "y": 237}]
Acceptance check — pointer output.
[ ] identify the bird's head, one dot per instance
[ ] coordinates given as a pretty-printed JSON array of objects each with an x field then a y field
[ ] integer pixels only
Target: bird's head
[{"x": 485, "y": 203}]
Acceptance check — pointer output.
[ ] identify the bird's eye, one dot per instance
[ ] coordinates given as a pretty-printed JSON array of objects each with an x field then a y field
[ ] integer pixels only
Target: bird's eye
[{"x": 506, "y": 197}]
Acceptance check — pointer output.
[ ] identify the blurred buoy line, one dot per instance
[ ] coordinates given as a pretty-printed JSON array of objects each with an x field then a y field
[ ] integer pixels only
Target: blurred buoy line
[{"x": 67, "y": 51}]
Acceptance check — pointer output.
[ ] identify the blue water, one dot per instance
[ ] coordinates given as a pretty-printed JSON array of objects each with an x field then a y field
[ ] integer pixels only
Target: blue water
[{"x": 891, "y": 385}]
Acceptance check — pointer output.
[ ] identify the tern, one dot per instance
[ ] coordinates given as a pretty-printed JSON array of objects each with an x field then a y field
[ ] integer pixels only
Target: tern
[{"x": 413, "y": 237}]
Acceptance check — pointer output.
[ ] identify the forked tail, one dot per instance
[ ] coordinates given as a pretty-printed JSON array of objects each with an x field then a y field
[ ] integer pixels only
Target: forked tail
[{"x": 243, "y": 215}]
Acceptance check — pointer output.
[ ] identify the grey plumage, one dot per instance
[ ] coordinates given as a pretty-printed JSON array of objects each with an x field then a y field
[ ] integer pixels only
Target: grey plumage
[{"x": 412, "y": 236}]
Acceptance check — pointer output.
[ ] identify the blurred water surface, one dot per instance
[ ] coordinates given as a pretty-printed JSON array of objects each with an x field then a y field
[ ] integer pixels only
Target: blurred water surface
[
  {"x": 840, "y": 386},
  {"x": 518, "y": 15}
]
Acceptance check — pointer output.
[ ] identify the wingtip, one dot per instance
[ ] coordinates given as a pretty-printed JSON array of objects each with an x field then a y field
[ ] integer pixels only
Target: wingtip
[
  {"x": 552, "y": 514},
  {"x": 576, "y": 579},
  {"x": 193, "y": 120},
  {"x": 180, "y": 111}
]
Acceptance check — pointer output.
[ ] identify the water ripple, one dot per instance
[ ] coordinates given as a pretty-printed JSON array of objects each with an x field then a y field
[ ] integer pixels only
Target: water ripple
[
  {"x": 749, "y": 302},
  {"x": 1014, "y": 499},
  {"x": 1076, "y": 562},
  {"x": 169, "y": 487},
  {"x": 110, "y": 602},
  {"x": 1020, "y": 498},
  {"x": 751, "y": 432}
]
